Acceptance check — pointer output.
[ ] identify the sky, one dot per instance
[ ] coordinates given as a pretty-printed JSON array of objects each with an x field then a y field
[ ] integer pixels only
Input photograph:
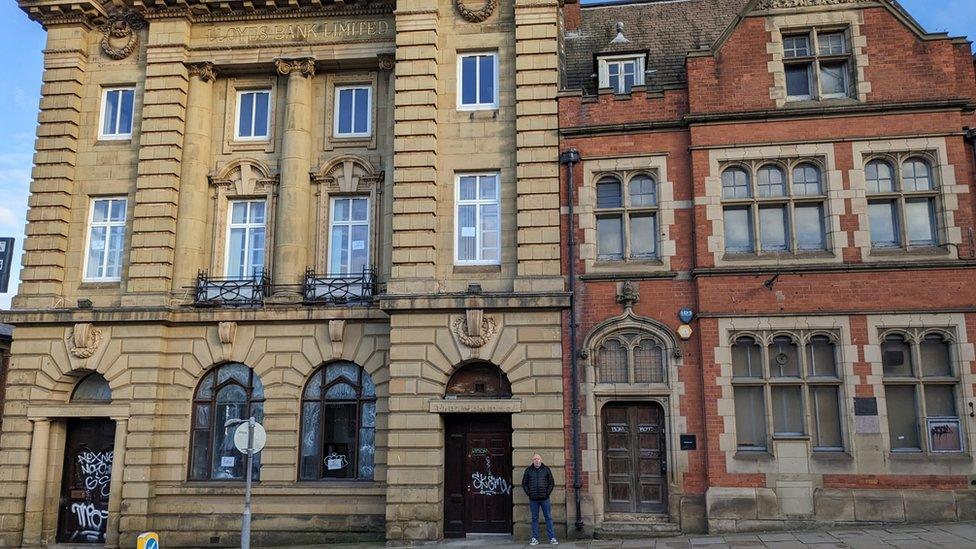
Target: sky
[{"x": 23, "y": 41}]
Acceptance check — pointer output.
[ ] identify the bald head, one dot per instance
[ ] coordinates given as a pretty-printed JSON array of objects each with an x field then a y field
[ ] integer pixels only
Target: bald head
[{"x": 536, "y": 460}]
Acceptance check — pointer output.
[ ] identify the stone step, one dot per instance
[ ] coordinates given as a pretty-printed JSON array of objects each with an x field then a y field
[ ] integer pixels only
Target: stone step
[{"x": 637, "y": 529}]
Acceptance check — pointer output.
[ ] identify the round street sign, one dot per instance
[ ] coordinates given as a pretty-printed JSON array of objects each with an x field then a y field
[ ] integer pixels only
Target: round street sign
[{"x": 240, "y": 438}]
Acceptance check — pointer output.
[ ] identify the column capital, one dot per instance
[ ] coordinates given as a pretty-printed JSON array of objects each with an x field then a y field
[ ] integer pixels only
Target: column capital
[
  {"x": 205, "y": 71},
  {"x": 302, "y": 65},
  {"x": 386, "y": 61}
]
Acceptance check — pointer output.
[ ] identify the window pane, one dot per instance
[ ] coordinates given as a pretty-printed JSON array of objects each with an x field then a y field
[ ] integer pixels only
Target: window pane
[
  {"x": 125, "y": 111},
  {"x": 339, "y": 440},
  {"x": 488, "y": 188},
  {"x": 809, "y": 227},
  {"x": 750, "y": 418},
  {"x": 648, "y": 362},
  {"x": 896, "y": 357},
  {"x": 920, "y": 221},
  {"x": 879, "y": 176},
  {"x": 833, "y": 79},
  {"x": 772, "y": 225},
  {"x": 935, "y": 357},
  {"x": 882, "y": 216},
  {"x": 247, "y": 115},
  {"x": 614, "y": 80},
  {"x": 236, "y": 254},
  {"x": 826, "y": 419},
  {"x": 489, "y": 232},
  {"x": 902, "y": 419},
  {"x": 821, "y": 357},
  {"x": 96, "y": 252},
  {"x": 345, "y": 110},
  {"x": 467, "y": 233},
  {"x": 643, "y": 236},
  {"x": 944, "y": 435},
  {"x": 486, "y": 79},
  {"x": 200, "y": 449},
  {"x": 798, "y": 81},
  {"x": 629, "y": 80},
  {"x": 940, "y": 401},
  {"x": 359, "y": 249},
  {"x": 100, "y": 211},
  {"x": 468, "y": 188},
  {"x": 806, "y": 180},
  {"x": 746, "y": 358},
  {"x": 341, "y": 209},
  {"x": 642, "y": 191},
  {"x": 113, "y": 266},
  {"x": 738, "y": 230},
  {"x": 916, "y": 175},
  {"x": 362, "y": 110},
  {"x": 117, "y": 212},
  {"x": 611, "y": 362},
  {"x": 360, "y": 209},
  {"x": 109, "y": 126},
  {"x": 735, "y": 184},
  {"x": 771, "y": 181},
  {"x": 609, "y": 235},
  {"x": 787, "y": 411},
  {"x": 367, "y": 441},
  {"x": 469, "y": 85},
  {"x": 796, "y": 46},
  {"x": 608, "y": 193},
  {"x": 311, "y": 439},
  {"x": 261, "y": 105},
  {"x": 832, "y": 43},
  {"x": 784, "y": 358}
]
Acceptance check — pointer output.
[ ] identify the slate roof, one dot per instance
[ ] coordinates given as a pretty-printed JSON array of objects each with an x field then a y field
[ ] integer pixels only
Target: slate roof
[{"x": 667, "y": 29}]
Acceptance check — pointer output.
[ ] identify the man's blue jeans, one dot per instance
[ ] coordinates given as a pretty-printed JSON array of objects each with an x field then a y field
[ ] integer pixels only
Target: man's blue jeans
[{"x": 546, "y": 506}]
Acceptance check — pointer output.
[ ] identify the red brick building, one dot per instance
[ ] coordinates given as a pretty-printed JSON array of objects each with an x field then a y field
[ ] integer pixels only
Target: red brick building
[{"x": 797, "y": 175}]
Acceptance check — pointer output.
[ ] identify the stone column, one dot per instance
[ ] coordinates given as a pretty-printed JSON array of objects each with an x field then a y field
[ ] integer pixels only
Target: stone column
[
  {"x": 115, "y": 485},
  {"x": 294, "y": 189},
  {"x": 191, "y": 221},
  {"x": 36, "y": 481}
]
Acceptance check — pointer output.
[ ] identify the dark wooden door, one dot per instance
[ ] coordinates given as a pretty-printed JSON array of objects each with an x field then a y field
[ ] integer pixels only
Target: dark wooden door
[
  {"x": 635, "y": 458},
  {"x": 478, "y": 476},
  {"x": 88, "y": 454}
]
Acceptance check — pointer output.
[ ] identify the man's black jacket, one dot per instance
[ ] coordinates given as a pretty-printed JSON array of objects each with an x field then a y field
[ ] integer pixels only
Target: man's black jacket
[{"x": 537, "y": 482}]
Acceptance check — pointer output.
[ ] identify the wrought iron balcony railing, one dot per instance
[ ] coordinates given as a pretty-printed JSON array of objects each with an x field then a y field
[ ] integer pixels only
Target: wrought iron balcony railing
[
  {"x": 339, "y": 289},
  {"x": 231, "y": 291}
]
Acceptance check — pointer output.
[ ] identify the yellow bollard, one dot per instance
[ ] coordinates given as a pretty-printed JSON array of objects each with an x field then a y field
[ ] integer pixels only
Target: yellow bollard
[{"x": 149, "y": 540}]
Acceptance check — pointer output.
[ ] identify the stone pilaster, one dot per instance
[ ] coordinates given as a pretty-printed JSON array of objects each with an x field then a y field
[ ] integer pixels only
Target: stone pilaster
[
  {"x": 115, "y": 485},
  {"x": 191, "y": 224},
  {"x": 43, "y": 272},
  {"x": 415, "y": 146},
  {"x": 153, "y": 237},
  {"x": 36, "y": 480},
  {"x": 294, "y": 190},
  {"x": 537, "y": 140}
]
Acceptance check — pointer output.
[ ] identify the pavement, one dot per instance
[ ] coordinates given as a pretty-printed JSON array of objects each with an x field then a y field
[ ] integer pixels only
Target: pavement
[{"x": 958, "y": 535}]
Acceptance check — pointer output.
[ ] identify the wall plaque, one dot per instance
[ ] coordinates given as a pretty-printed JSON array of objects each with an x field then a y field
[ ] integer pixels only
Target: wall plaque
[
  {"x": 476, "y": 406},
  {"x": 689, "y": 442},
  {"x": 312, "y": 32}
]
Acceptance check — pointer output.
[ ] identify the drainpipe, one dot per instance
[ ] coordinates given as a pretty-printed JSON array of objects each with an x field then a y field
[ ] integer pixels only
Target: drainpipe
[{"x": 569, "y": 159}]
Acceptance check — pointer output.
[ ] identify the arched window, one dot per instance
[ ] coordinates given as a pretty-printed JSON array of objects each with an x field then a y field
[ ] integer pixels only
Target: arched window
[
  {"x": 228, "y": 391},
  {"x": 338, "y": 424},
  {"x": 630, "y": 357},
  {"x": 93, "y": 388},
  {"x": 479, "y": 380}
]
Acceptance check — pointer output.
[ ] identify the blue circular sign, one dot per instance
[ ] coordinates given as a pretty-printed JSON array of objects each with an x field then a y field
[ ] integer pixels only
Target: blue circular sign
[{"x": 151, "y": 543}]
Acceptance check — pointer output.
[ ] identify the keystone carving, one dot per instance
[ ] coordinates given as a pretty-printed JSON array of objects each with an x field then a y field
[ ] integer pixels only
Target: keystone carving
[
  {"x": 304, "y": 66},
  {"x": 474, "y": 329},
  {"x": 386, "y": 61},
  {"x": 628, "y": 295},
  {"x": 337, "y": 329},
  {"x": 83, "y": 340},
  {"x": 120, "y": 38},
  {"x": 478, "y": 15},
  {"x": 204, "y": 71},
  {"x": 781, "y": 4},
  {"x": 227, "y": 331}
]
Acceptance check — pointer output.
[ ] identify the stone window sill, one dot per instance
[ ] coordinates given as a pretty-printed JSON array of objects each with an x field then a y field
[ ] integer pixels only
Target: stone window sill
[
  {"x": 831, "y": 102},
  {"x": 114, "y": 285},
  {"x": 477, "y": 269},
  {"x": 791, "y": 437},
  {"x": 776, "y": 257},
  {"x": 954, "y": 457},
  {"x": 753, "y": 456},
  {"x": 908, "y": 254},
  {"x": 831, "y": 456},
  {"x": 108, "y": 142}
]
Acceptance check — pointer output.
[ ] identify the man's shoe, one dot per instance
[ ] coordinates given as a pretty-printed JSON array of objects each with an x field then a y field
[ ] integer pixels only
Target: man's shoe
[
  {"x": 553, "y": 541},
  {"x": 533, "y": 541}
]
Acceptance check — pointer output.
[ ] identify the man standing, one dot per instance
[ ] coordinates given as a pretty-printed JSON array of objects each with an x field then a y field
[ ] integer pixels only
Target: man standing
[{"x": 538, "y": 484}]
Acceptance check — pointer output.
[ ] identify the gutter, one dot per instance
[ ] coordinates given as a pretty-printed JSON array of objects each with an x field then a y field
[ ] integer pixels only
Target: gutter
[{"x": 570, "y": 158}]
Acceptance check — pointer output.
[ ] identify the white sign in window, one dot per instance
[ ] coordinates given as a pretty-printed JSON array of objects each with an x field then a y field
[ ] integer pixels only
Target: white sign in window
[
  {"x": 349, "y": 235},
  {"x": 106, "y": 238},
  {"x": 253, "y": 114},
  {"x": 477, "y": 220},
  {"x": 478, "y": 81},
  {"x": 353, "y": 111},
  {"x": 246, "y": 238},
  {"x": 116, "y": 114}
]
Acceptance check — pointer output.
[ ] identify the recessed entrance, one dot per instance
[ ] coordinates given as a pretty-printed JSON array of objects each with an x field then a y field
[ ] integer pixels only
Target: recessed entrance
[
  {"x": 635, "y": 458},
  {"x": 478, "y": 475},
  {"x": 89, "y": 450}
]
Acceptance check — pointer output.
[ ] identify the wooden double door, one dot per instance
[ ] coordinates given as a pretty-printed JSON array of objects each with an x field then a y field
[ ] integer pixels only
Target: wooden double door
[
  {"x": 478, "y": 480},
  {"x": 88, "y": 454},
  {"x": 635, "y": 458}
]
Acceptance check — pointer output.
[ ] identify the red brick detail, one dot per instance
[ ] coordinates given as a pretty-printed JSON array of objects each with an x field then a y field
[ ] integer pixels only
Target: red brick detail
[{"x": 894, "y": 482}]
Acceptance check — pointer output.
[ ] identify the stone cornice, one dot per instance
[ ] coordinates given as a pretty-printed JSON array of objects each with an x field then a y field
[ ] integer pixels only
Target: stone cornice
[{"x": 54, "y": 12}]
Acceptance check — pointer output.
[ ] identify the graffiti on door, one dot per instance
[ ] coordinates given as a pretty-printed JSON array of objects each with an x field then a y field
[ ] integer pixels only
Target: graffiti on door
[
  {"x": 487, "y": 484},
  {"x": 90, "y": 521},
  {"x": 96, "y": 471}
]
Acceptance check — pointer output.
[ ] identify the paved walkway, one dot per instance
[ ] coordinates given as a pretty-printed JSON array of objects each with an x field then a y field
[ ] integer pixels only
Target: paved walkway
[{"x": 960, "y": 535}]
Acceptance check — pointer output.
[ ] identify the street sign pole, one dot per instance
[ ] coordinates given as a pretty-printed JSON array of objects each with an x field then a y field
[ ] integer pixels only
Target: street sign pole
[{"x": 246, "y": 523}]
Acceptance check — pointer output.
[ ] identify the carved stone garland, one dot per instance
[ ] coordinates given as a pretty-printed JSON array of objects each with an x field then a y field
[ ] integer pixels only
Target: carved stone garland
[
  {"x": 474, "y": 329},
  {"x": 83, "y": 340},
  {"x": 479, "y": 15},
  {"x": 121, "y": 25}
]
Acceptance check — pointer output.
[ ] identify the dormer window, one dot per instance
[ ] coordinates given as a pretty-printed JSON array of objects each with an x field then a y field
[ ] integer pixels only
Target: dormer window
[
  {"x": 818, "y": 65},
  {"x": 622, "y": 72}
]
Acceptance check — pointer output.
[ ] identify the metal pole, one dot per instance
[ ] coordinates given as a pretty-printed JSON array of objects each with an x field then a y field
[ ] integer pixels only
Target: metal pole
[{"x": 246, "y": 523}]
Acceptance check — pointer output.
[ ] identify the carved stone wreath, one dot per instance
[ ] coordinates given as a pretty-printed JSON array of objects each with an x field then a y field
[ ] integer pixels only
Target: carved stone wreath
[
  {"x": 479, "y": 15},
  {"x": 120, "y": 38},
  {"x": 83, "y": 340},
  {"x": 488, "y": 327}
]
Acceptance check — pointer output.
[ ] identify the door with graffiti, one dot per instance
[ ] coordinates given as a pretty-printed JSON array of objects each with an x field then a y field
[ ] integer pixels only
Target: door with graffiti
[
  {"x": 88, "y": 453},
  {"x": 478, "y": 476}
]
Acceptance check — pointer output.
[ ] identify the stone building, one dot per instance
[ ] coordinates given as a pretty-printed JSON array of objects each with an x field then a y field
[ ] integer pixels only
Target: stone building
[
  {"x": 339, "y": 217},
  {"x": 772, "y": 249}
]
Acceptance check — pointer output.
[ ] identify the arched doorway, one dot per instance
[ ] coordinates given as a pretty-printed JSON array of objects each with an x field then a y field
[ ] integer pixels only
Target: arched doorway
[
  {"x": 478, "y": 456},
  {"x": 635, "y": 458}
]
